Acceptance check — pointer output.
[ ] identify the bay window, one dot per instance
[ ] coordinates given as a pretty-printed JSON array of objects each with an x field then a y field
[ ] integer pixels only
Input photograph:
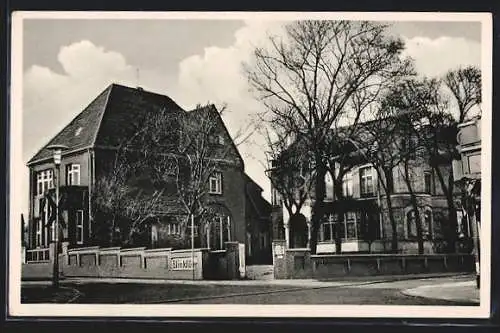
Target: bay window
[
  {"x": 351, "y": 226},
  {"x": 474, "y": 162}
]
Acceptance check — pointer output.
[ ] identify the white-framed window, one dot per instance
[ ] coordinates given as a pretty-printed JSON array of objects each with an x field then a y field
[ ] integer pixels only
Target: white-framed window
[
  {"x": 427, "y": 227},
  {"x": 79, "y": 226},
  {"x": 474, "y": 162},
  {"x": 154, "y": 235},
  {"x": 366, "y": 181},
  {"x": 350, "y": 226},
  {"x": 38, "y": 233},
  {"x": 195, "y": 228},
  {"x": 218, "y": 232},
  {"x": 347, "y": 185},
  {"x": 73, "y": 174},
  {"x": 173, "y": 229},
  {"x": 216, "y": 139},
  {"x": 411, "y": 224},
  {"x": 329, "y": 191},
  {"x": 44, "y": 181},
  {"x": 328, "y": 228},
  {"x": 215, "y": 183}
]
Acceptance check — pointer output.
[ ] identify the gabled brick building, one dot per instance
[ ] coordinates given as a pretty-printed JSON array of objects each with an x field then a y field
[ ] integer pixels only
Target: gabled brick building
[{"x": 91, "y": 138}]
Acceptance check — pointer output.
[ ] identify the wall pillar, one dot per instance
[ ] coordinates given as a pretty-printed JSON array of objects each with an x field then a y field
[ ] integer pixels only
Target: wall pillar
[
  {"x": 287, "y": 235},
  {"x": 279, "y": 264},
  {"x": 309, "y": 226},
  {"x": 233, "y": 260}
]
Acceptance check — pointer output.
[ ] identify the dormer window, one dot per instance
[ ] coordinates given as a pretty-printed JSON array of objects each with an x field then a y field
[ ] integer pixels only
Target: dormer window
[
  {"x": 220, "y": 139},
  {"x": 78, "y": 131},
  {"x": 216, "y": 139}
]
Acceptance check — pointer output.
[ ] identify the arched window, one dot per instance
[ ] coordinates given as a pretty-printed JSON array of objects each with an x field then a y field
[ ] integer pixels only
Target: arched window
[
  {"x": 154, "y": 236},
  {"x": 411, "y": 224}
]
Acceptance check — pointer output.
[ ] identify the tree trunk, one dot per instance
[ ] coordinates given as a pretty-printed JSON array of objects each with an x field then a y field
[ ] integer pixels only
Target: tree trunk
[
  {"x": 413, "y": 199},
  {"x": 451, "y": 230},
  {"x": 389, "y": 189},
  {"x": 392, "y": 220},
  {"x": 112, "y": 232},
  {"x": 340, "y": 215},
  {"x": 317, "y": 212}
]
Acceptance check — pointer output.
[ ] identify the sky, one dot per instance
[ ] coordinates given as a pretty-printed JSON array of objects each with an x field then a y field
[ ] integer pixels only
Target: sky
[{"x": 68, "y": 62}]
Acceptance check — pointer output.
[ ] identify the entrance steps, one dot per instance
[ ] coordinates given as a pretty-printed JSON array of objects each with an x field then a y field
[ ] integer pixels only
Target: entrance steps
[{"x": 260, "y": 272}]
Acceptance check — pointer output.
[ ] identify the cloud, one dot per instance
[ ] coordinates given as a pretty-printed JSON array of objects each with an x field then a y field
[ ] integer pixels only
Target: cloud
[
  {"x": 434, "y": 57},
  {"x": 51, "y": 100},
  {"x": 217, "y": 76}
]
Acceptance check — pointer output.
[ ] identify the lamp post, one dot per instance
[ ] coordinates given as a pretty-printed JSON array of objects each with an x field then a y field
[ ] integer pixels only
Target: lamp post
[
  {"x": 57, "y": 154},
  {"x": 192, "y": 245}
]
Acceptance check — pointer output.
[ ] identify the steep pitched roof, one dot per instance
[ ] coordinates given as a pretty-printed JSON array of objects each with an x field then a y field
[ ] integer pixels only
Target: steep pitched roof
[
  {"x": 212, "y": 109},
  {"x": 254, "y": 194},
  {"x": 88, "y": 120},
  {"x": 112, "y": 114}
]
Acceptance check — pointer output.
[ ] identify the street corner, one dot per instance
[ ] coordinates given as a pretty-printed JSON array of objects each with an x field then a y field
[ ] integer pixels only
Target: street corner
[{"x": 459, "y": 292}]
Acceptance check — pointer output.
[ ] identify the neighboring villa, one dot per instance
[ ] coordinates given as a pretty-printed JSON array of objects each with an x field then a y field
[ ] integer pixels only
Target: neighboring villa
[
  {"x": 243, "y": 215},
  {"x": 364, "y": 225}
]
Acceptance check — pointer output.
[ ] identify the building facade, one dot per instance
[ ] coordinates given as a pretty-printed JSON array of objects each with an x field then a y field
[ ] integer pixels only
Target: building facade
[
  {"x": 358, "y": 222},
  {"x": 92, "y": 138},
  {"x": 467, "y": 175}
]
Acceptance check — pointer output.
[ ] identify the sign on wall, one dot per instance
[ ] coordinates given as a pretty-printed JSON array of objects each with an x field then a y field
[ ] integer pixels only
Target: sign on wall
[
  {"x": 182, "y": 264},
  {"x": 279, "y": 251}
]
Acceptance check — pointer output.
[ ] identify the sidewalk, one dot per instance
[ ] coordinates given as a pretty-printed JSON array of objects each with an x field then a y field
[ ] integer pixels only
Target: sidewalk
[
  {"x": 463, "y": 292},
  {"x": 311, "y": 283}
]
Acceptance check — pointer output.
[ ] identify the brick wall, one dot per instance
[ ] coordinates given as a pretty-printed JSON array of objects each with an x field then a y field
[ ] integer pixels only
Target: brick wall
[
  {"x": 140, "y": 263},
  {"x": 300, "y": 264}
]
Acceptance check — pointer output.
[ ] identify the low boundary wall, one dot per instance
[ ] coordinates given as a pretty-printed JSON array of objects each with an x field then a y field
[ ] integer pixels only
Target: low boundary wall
[
  {"x": 300, "y": 264},
  {"x": 163, "y": 263}
]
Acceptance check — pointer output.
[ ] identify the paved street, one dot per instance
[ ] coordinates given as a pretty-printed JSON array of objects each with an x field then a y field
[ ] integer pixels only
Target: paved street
[{"x": 374, "y": 292}]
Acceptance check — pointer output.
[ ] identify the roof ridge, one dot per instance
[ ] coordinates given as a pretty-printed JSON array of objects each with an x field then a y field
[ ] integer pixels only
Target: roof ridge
[{"x": 98, "y": 127}]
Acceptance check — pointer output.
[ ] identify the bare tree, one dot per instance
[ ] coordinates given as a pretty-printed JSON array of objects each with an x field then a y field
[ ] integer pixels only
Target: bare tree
[
  {"x": 465, "y": 85},
  {"x": 288, "y": 169},
  {"x": 309, "y": 81},
  {"x": 431, "y": 124},
  {"x": 376, "y": 143},
  {"x": 167, "y": 162}
]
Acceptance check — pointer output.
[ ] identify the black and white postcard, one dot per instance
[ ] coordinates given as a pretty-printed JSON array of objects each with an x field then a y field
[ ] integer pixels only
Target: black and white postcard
[{"x": 238, "y": 164}]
